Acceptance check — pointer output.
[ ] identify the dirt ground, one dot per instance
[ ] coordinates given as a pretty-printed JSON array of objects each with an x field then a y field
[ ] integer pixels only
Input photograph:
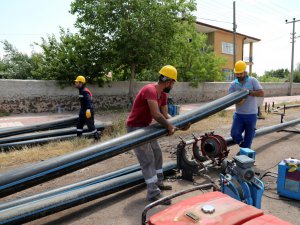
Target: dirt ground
[{"x": 125, "y": 207}]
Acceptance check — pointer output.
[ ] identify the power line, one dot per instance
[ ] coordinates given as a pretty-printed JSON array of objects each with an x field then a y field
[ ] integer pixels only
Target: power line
[
  {"x": 20, "y": 34},
  {"x": 214, "y": 20}
]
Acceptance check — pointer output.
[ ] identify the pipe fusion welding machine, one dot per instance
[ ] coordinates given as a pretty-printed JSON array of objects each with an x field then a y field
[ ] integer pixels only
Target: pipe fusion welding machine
[
  {"x": 238, "y": 178},
  {"x": 240, "y": 181}
]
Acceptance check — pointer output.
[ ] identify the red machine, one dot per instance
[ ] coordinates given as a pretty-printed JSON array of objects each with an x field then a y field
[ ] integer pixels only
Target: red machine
[{"x": 211, "y": 208}]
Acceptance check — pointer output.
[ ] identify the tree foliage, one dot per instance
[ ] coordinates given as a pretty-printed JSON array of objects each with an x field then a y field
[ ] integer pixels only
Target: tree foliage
[
  {"x": 296, "y": 74},
  {"x": 69, "y": 56},
  {"x": 279, "y": 75},
  {"x": 131, "y": 38},
  {"x": 137, "y": 34},
  {"x": 15, "y": 65},
  {"x": 194, "y": 59}
]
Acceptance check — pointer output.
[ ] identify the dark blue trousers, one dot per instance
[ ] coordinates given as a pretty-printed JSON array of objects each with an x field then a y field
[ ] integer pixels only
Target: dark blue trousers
[{"x": 243, "y": 123}]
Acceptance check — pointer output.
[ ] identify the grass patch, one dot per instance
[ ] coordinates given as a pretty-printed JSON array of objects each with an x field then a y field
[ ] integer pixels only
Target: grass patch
[
  {"x": 4, "y": 113},
  {"x": 40, "y": 153}
]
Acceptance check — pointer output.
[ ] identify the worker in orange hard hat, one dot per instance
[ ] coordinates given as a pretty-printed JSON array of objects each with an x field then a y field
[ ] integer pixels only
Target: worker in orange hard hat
[
  {"x": 245, "y": 116},
  {"x": 151, "y": 103},
  {"x": 86, "y": 113}
]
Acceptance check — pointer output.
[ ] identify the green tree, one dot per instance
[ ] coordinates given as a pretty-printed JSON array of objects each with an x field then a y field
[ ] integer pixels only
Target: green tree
[
  {"x": 194, "y": 59},
  {"x": 279, "y": 75},
  {"x": 136, "y": 34},
  {"x": 69, "y": 56},
  {"x": 254, "y": 75},
  {"x": 296, "y": 74},
  {"x": 15, "y": 65}
]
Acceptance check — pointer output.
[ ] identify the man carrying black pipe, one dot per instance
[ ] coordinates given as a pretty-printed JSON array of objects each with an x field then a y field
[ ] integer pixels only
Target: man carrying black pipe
[
  {"x": 151, "y": 103},
  {"x": 245, "y": 117}
]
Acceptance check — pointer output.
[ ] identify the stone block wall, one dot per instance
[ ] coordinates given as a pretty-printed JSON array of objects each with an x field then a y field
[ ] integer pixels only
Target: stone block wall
[{"x": 24, "y": 96}]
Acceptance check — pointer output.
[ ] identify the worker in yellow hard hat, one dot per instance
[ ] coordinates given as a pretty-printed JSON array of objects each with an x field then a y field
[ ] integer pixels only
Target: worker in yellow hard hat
[
  {"x": 151, "y": 103},
  {"x": 86, "y": 113},
  {"x": 245, "y": 116}
]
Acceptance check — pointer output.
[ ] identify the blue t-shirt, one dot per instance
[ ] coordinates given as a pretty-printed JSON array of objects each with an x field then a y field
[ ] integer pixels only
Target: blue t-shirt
[{"x": 250, "y": 104}]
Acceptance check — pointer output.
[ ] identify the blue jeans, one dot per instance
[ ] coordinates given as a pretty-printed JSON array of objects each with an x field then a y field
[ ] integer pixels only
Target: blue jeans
[{"x": 243, "y": 123}]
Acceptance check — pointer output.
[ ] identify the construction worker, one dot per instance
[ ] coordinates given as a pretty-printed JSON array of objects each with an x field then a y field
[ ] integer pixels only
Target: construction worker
[
  {"x": 245, "y": 116},
  {"x": 151, "y": 103},
  {"x": 86, "y": 113}
]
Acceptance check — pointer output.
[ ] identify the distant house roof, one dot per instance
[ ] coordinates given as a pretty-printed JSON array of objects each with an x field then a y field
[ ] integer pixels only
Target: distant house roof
[{"x": 206, "y": 28}]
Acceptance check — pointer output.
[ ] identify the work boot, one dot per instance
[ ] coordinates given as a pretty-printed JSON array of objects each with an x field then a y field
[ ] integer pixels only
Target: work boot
[
  {"x": 97, "y": 136},
  {"x": 158, "y": 197}
]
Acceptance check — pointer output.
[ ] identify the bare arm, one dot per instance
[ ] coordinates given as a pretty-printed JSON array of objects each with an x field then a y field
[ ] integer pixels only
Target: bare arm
[
  {"x": 258, "y": 93},
  {"x": 164, "y": 111},
  {"x": 159, "y": 117}
]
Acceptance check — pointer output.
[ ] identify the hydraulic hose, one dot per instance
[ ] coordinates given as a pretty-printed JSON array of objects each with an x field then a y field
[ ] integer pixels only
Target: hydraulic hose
[{"x": 22, "y": 178}]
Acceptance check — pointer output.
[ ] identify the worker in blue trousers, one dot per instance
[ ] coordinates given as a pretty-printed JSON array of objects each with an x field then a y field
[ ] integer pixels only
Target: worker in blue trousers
[
  {"x": 86, "y": 113},
  {"x": 245, "y": 116}
]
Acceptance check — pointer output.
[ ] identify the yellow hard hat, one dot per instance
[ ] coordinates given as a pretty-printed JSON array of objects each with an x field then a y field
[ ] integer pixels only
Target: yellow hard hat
[
  {"x": 80, "y": 79},
  {"x": 169, "y": 71},
  {"x": 240, "y": 66}
]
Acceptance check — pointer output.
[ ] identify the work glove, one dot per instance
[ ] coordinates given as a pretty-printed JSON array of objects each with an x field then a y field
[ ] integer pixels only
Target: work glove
[{"x": 88, "y": 113}]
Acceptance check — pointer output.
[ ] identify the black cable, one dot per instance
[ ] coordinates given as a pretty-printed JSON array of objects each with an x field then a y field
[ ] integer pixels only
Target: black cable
[
  {"x": 267, "y": 171},
  {"x": 268, "y": 175}
]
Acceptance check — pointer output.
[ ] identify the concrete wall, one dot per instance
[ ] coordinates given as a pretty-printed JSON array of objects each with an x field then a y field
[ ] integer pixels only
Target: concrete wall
[{"x": 21, "y": 96}]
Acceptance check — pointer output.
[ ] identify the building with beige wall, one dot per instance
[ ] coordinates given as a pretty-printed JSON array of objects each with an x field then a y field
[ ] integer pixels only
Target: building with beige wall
[{"x": 222, "y": 42}]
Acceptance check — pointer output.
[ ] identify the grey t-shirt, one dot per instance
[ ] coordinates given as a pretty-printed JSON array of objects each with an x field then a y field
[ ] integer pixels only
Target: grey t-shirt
[{"x": 250, "y": 104}]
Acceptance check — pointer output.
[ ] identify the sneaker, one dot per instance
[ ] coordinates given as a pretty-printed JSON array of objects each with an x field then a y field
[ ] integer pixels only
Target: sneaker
[
  {"x": 158, "y": 197},
  {"x": 164, "y": 187}
]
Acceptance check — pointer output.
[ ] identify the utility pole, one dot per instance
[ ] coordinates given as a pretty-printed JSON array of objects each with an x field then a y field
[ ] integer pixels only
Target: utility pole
[
  {"x": 234, "y": 37},
  {"x": 292, "y": 60}
]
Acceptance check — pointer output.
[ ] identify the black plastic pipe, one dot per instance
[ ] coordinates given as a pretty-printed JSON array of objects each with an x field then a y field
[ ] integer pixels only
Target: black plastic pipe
[
  {"x": 267, "y": 130},
  {"x": 288, "y": 106},
  {"x": 8, "y": 209},
  {"x": 22, "y": 178},
  {"x": 48, "y": 133},
  {"x": 42, "y": 207},
  {"x": 19, "y": 144},
  {"x": 39, "y": 127},
  {"x": 71, "y": 187}
]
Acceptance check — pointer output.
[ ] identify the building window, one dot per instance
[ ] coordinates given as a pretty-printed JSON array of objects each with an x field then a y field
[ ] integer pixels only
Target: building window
[{"x": 227, "y": 48}]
